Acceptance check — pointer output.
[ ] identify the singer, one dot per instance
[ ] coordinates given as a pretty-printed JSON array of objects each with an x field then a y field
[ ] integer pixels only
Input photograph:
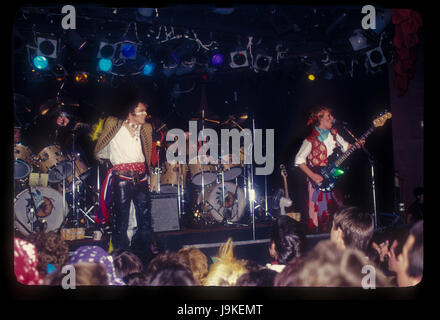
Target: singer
[
  {"x": 314, "y": 151},
  {"x": 127, "y": 143}
]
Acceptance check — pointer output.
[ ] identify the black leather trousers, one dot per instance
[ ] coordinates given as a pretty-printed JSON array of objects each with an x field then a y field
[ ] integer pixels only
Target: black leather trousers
[{"x": 125, "y": 191}]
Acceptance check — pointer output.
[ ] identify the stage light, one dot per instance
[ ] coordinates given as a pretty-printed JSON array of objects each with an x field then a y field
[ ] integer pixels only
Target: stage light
[
  {"x": 106, "y": 50},
  {"x": 105, "y": 65},
  {"x": 128, "y": 51},
  {"x": 239, "y": 59},
  {"x": 216, "y": 58},
  {"x": 262, "y": 62},
  {"x": 148, "y": 69},
  {"x": 40, "y": 62},
  {"x": 46, "y": 47},
  {"x": 376, "y": 57},
  {"x": 311, "y": 77},
  {"x": 81, "y": 77},
  {"x": 59, "y": 72}
]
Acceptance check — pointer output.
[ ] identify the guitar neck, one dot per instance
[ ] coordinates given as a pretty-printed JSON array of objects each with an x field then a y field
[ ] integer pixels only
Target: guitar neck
[
  {"x": 286, "y": 190},
  {"x": 348, "y": 153}
]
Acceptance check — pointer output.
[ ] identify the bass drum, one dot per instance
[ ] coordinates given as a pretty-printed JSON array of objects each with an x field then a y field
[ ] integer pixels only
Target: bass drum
[
  {"x": 234, "y": 204},
  {"x": 49, "y": 204}
]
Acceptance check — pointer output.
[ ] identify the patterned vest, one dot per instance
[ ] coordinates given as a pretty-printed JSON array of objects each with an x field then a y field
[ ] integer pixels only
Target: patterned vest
[
  {"x": 318, "y": 154},
  {"x": 112, "y": 126}
]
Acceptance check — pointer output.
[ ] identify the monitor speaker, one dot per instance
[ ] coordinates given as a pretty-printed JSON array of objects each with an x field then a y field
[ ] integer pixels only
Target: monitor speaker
[{"x": 164, "y": 212}]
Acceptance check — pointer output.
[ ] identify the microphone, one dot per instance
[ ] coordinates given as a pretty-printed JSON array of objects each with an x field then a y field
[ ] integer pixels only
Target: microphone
[{"x": 336, "y": 121}]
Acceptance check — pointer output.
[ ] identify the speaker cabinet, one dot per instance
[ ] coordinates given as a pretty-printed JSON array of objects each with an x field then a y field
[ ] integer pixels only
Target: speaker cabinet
[{"x": 164, "y": 212}]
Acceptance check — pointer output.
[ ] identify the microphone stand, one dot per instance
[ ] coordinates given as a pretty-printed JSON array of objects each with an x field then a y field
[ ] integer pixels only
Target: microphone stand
[{"x": 372, "y": 161}]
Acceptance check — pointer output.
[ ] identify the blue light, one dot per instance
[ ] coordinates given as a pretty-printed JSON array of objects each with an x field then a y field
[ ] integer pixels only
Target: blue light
[
  {"x": 40, "y": 62},
  {"x": 105, "y": 64},
  {"x": 148, "y": 69},
  {"x": 128, "y": 50},
  {"x": 217, "y": 59}
]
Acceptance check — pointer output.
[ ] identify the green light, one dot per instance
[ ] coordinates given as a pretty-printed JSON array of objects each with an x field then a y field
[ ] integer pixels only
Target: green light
[{"x": 338, "y": 172}]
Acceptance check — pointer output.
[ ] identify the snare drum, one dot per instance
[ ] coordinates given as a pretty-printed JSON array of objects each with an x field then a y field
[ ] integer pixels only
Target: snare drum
[
  {"x": 49, "y": 204},
  {"x": 22, "y": 161},
  {"x": 55, "y": 163}
]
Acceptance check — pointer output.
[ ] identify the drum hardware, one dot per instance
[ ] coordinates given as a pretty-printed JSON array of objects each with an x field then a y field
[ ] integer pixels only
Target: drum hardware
[{"x": 75, "y": 207}]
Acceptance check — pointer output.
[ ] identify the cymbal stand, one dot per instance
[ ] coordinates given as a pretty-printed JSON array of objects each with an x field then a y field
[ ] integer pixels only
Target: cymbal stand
[
  {"x": 75, "y": 212},
  {"x": 157, "y": 170},
  {"x": 202, "y": 162},
  {"x": 75, "y": 207},
  {"x": 251, "y": 182}
]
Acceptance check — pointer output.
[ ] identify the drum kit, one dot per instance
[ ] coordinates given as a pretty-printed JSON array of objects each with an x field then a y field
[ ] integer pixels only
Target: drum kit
[
  {"x": 49, "y": 185},
  {"x": 208, "y": 192}
]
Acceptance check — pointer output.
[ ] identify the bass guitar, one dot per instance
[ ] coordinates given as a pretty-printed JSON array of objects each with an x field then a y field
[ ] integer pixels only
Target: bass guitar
[{"x": 334, "y": 170}]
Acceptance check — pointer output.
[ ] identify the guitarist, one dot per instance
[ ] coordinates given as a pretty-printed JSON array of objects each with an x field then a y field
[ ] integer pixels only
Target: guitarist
[{"x": 314, "y": 152}]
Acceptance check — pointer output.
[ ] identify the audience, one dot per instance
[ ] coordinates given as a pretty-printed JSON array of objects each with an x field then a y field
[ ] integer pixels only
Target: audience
[
  {"x": 52, "y": 251},
  {"x": 226, "y": 269},
  {"x": 352, "y": 228},
  {"x": 257, "y": 278},
  {"x": 95, "y": 254},
  {"x": 26, "y": 262},
  {"x": 86, "y": 274},
  {"x": 197, "y": 262},
  {"x": 286, "y": 242},
  {"x": 338, "y": 262},
  {"x": 126, "y": 263},
  {"x": 415, "y": 211},
  {"x": 407, "y": 263},
  {"x": 328, "y": 265},
  {"x": 172, "y": 275}
]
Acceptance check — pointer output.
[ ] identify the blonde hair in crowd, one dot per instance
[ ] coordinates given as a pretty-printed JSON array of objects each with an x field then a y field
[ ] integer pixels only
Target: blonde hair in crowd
[
  {"x": 226, "y": 270},
  {"x": 197, "y": 261}
]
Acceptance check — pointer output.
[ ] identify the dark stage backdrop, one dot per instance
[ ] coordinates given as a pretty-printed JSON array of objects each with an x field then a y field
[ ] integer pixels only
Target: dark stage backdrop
[{"x": 279, "y": 100}]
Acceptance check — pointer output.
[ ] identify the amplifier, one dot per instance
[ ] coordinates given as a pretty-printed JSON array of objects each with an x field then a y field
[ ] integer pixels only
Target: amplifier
[{"x": 164, "y": 212}]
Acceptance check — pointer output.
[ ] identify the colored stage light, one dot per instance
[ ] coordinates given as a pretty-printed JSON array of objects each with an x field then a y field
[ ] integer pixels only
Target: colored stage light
[
  {"x": 148, "y": 69},
  {"x": 81, "y": 77},
  {"x": 311, "y": 77},
  {"x": 128, "y": 51},
  {"x": 59, "y": 72},
  {"x": 40, "y": 62},
  {"x": 105, "y": 65},
  {"x": 217, "y": 59}
]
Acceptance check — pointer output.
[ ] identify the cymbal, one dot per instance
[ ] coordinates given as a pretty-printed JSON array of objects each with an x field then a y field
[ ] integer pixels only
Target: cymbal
[
  {"x": 210, "y": 119},
  {"x": 235, "y": 120},
  {"x": 58, "y": 105}
]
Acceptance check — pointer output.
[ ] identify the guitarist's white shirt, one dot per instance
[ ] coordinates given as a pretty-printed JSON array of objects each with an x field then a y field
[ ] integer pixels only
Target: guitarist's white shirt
[{"x": 329, "y": 142}]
